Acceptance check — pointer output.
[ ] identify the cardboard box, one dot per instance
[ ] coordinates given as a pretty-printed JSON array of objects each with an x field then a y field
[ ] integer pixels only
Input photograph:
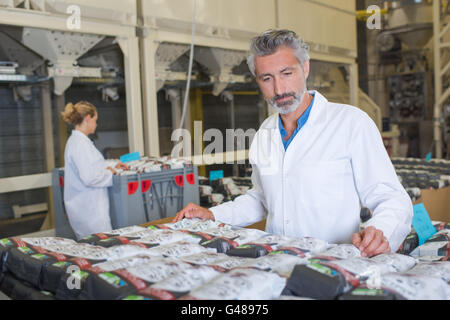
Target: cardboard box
[{"x": 437, "y": 203}]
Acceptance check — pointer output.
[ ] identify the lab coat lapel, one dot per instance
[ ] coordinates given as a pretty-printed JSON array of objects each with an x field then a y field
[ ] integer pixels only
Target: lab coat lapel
[
  {"x": 267, "y": 151},
  {"x": 307, "y": 136}
]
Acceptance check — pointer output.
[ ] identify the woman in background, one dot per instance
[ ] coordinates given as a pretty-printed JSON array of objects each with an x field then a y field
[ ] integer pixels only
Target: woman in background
[{"x": 87, "y": 174}]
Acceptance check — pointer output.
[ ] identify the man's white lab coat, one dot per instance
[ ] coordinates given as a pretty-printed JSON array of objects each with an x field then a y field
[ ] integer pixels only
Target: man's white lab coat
[
  {"x": 85, "y": 186},
  {"x": 315, "y": 187}
]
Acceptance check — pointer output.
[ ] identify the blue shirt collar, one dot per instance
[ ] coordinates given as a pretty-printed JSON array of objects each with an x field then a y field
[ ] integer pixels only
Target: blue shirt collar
[{"x": 300, "y": 122}]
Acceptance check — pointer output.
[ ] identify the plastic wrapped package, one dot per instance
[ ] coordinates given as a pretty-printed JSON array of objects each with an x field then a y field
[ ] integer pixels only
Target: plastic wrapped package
[
  {"x": 178, "y": 249},
  {"x": 203, "y": 258},
  {"x": 437, "y": 245},
  {"x": 304, "y": 247},
  {"x": 26, "y": 263},
  {"x": 115, "y": 241},
  {"x": 195, "y": 224},
  {"x": 163, "y": 237},
  {"x": 240, "y": 284},
  {"x": 82, "y": 261},
  {"x": 19, "y": 290},
  {"x": 7, "y": 243},
  {"x": 281, "y": 263},
  {"x": 436, "y": 269},
  {"x": 338, "y": 252},
  {"x": 261, "y": 246},
  {"x": 400, "y": 286},
  {"x": 227, "y": 187},
  {"x": 176, "y": 286},
  {"x": 94, "y": 238},
  {"x": 66, "y": 292},
  {"x": 212, "y": 200},
  {"x": 229, "y": 263},
  {"x": 121, "y": 283},
  {"x": 433, "y": 258},
  {"x": 224, "y": 240},
  {"x": 439, "y": 225},
  {"x": 205, "y": 190},
  {"x": 330, "y": 279},
  {"x": 26, "y": 257},
  {"x": 410, "y": 243}
]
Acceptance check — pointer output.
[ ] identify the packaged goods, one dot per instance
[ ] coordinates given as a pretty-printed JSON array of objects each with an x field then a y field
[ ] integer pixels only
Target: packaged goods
[
  {"x": 178, "y": 285},
  {"x": 178, "y": 249},
  {"x": 7, "y": 243},
  {"x": 433, "y": 258},
  {"x": 196, "y": 225},
  {"x": 82, "y": 260},
  {"x": 410, "y": 243},
  {"x": 205, "y": 190},
  {"x": 212, "y": 200},
  {"x": 203, "y": 258},
  {"x": 362, "y": 292},
  {"x": 94, "y": 238},
  {"x": 341, "y": 251},
  {"x": 115, "y": 241},
  {"x": 53, "y": 273},
  {"x": 162, "y": 237},
  {"x": 240, "y": 284},
  {"x": 27, "y": 263},
  {"x": 20, "y": 290},
  {"x": 437, "y": 245},
  {"x": 398, "y": 286},
  {"x": 330, "y": 279},
  {"x": 261, "y": 246},
  {"x": 229, "y": 263},
  {"x": 281, "y": 263},
  {"x": 72, "y": 283},
  {"x": 229, "y": 239},
  {"x": 438, "y": 225},
  {"x": 440, "y": 269},
  {"x": 121, "y": 283},
  {"x": 304, "y": 247},
  {"x": 227, "y": 187}
]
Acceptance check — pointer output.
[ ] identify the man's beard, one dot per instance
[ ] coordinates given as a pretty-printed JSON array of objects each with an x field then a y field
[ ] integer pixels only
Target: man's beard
[{"x": 289, "y": 106}]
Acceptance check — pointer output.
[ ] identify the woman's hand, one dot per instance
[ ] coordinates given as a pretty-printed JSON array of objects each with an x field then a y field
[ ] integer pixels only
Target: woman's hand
[
  {"x": 112, "y": 170},
  {"x": 122, "y": 166}
]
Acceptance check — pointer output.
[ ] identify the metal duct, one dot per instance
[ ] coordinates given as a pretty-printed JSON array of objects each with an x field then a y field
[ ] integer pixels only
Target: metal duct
[
  {"x": 62, "y": 49},
  {"x": 220, "y": 63},
  {"x": 411, "y": 22},
  {"x": 165, "y": 55}
]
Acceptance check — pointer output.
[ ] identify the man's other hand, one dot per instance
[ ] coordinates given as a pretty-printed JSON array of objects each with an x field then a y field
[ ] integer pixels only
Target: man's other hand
[
  {"x": 193, "y": 211},
  {"x": 371, "y": 242}
]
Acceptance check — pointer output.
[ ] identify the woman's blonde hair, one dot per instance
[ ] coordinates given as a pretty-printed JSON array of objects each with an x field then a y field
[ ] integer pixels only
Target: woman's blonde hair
[{"x": 75, "y": 114}]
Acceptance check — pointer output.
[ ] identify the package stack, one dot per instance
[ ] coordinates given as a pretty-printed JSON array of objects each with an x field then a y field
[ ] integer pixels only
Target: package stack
[
  {"x": 151, "y": 164},
  {"x": 203, "y": 259},
  {"x": 213, "y": 193},
  {"x": 418, "y": 174}
]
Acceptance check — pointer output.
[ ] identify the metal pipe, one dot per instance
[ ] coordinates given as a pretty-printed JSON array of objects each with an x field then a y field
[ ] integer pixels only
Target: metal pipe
[{"x": 437, "y": 79}]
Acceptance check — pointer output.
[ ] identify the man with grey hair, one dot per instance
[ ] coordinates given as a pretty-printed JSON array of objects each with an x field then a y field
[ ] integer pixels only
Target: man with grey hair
[{"x": 314, "y": 162}]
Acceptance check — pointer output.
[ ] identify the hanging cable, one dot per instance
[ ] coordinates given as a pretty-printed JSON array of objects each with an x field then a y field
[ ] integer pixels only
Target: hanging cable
[{"x": 189, "y": 75}]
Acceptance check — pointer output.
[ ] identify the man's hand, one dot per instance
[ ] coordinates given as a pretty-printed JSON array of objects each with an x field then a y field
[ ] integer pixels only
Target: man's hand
[
  {"x": 193, "y": 211},
  {"x": 371, "y": 242}
]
